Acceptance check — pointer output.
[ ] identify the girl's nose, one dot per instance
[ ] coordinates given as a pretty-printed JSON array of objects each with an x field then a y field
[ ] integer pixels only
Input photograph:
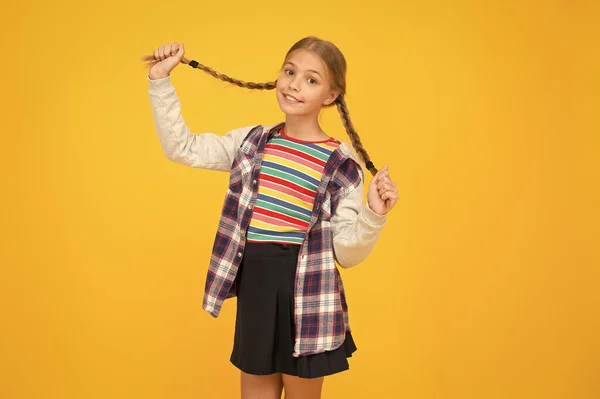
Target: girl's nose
[{"x": 293, "y": 85}]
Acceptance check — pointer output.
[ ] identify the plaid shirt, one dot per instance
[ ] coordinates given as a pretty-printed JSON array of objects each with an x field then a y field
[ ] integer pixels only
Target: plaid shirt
[{"x": 340, "y": 229}]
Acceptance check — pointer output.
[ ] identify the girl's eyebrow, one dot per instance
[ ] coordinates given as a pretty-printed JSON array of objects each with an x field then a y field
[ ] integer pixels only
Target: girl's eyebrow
[{"x": 309, "y": 70}]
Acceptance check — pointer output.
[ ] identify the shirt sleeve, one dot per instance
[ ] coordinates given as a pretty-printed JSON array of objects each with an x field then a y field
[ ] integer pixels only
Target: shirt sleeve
[
  {"x": 204, "y": 150},
  {"x": 355, "y": 227}
]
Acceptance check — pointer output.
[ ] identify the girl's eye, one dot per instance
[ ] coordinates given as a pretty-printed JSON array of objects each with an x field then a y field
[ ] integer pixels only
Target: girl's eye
[{"x": 311, "y": 80}]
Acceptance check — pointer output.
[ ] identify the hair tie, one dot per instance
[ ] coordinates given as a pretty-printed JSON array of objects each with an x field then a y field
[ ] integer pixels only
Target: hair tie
[
  {"x": 194, "y": 64},
  {"x": 369, "y": 165}
]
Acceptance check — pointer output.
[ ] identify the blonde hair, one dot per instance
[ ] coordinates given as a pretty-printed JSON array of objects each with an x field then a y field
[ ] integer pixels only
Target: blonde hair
[{"x": 336, "y": 65}]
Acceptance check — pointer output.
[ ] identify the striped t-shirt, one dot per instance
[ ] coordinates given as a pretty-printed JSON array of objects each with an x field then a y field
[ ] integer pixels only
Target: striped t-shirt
[{"x": 290, "y": 173}]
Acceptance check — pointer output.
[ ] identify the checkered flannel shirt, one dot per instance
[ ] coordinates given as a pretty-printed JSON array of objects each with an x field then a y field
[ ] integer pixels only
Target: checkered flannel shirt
[{"x": 341, "y": 228}]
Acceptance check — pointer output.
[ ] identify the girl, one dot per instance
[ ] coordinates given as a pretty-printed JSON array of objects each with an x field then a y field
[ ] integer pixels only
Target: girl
[{"x": 293, "y": 208}]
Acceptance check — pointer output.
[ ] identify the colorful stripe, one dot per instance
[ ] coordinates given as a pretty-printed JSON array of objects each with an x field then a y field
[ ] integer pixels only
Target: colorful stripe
[{"x": 287, "y": 186}]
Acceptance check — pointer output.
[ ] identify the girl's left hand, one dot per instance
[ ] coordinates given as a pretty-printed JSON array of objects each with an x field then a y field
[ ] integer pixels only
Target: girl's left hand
[{"x": 383, "y": 193}]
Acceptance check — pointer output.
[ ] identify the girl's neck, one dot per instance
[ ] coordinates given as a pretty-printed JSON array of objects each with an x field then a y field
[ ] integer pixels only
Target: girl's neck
[{"x": 302, "y": 128}]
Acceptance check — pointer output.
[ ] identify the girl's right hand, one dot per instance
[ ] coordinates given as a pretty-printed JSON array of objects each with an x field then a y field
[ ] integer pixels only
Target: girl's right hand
[{"x": 167, "y": 57}]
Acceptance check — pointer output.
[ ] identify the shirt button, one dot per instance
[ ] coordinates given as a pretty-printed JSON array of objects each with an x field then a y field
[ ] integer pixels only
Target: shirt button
[
  {"x": 253, "y": 181},
  {"x": 243, "y": 231},
  {"x": 239, "y": 254}
]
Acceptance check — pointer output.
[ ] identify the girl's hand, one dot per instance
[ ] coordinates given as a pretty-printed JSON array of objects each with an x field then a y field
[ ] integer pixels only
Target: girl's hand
[
  {"x": 167, "y": 57},
  {"x": 383, "y": 193}
]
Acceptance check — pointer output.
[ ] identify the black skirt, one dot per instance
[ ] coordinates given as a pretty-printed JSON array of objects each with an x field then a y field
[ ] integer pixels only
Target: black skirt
[{"x": 264, "y": 327}]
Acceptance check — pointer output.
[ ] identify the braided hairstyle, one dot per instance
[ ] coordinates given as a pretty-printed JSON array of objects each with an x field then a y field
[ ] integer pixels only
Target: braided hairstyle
[{"x": 336, "y": 65}]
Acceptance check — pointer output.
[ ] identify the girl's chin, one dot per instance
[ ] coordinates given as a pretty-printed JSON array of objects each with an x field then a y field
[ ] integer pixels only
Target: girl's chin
[
  {"x": 287, "y": 112},
  {"x": 293, "y": 109}
]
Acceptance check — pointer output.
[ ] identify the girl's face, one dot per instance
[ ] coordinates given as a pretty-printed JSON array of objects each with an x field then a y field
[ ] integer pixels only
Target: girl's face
[{"x": 304, "y": 77}]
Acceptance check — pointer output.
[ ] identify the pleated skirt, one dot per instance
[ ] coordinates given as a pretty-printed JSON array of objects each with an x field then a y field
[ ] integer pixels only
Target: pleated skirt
[{"x": 264, "y": 327}]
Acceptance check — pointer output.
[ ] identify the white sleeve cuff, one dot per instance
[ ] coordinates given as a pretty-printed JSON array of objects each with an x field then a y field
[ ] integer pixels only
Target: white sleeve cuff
[
  {"x": 160, "y": 85},
  {"x": 372, "y": 217}
]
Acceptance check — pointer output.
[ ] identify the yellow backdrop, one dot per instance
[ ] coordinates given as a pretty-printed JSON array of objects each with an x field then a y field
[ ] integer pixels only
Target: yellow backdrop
[{"x": 484, "y": 283}]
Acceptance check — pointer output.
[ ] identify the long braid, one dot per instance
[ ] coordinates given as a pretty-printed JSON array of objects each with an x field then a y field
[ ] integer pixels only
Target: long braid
[
  {"x": 354, "y": 138},
  {"x": 340, "y": 102},
  {"x": 150, "y": 60},
  {"x": 237, "y": 82}
]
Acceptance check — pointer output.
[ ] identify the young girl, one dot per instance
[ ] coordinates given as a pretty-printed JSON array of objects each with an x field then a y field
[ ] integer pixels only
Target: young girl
[{"x": 293, "y": 208}]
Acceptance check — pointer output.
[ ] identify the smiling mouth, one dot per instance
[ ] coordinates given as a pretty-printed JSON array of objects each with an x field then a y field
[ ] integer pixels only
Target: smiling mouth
[{"x": 291, "y": 99}]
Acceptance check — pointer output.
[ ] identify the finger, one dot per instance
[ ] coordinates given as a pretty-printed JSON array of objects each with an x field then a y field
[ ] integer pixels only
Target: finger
[
  {"x": 384, "y": 184},
  {"x": 388, "y": 192},
  {"x": 384, "y": 188},
  {"x": 161, "y": 53},
  {"x": 376, "y": 176},
  {"x": 390, "y": 195},
  {"x": 383, "y": 180},
  {"x": 384, "y": 170},
  {"x": 387, "y": 180},
  {"x": 156, "y": 55},
  {"x": 174, "y": 48},
  {"x": 383, "y": 175}
]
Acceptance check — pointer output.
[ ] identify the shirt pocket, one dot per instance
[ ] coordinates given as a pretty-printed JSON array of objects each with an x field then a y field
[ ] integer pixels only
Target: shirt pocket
[
  {"x": 247, "y": 148},
  {"x": 246, "y": 158}
]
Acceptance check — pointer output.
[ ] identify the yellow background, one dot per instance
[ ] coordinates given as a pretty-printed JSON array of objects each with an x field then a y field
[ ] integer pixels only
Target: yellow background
[{"x": 484, "y": 283}]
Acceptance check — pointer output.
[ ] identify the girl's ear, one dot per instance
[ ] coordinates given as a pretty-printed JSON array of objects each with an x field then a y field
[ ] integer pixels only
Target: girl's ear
[{"x": 331, "y": 98}]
